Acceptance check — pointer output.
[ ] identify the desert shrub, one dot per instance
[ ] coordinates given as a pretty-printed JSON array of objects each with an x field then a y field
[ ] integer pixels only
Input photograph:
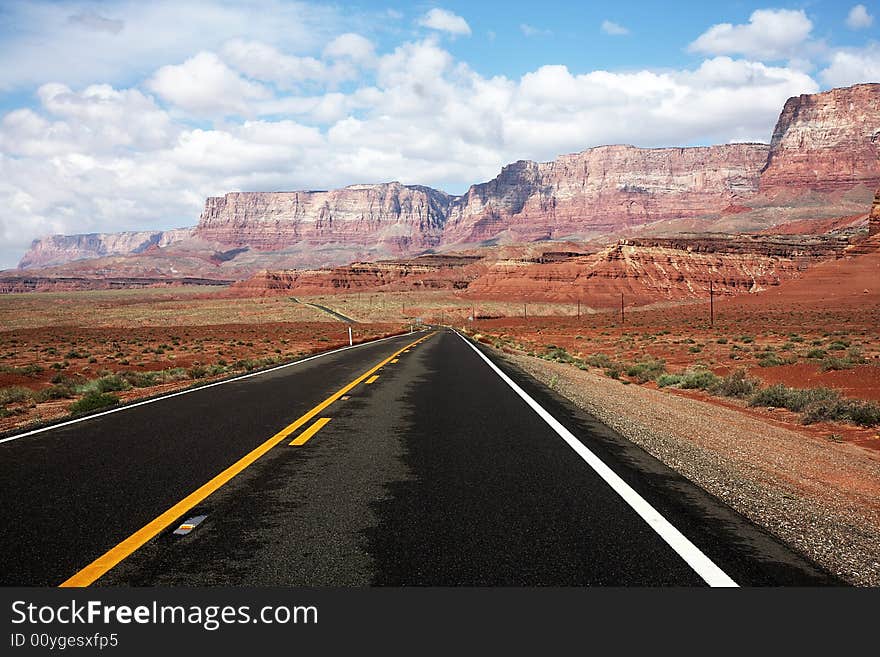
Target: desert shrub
[
  {"x": 834, "y": 363},
  {"x": 614, "y": 370},
  {"x": 794, "y": 399},
  {"x": 14, "y": 395},
  {"x": 31, "y": 369},
  {"x": 838, "y": 345},
  {"x": 698, "y": 379},
  {"x": 558, "y": 354},
  {"x": 668, "y": 380},
  {"x": 736, "y": 384},
  {"x": 93, "y": 401},
  {"x": 599, "y": 360},
  {"x": 646, "y": 370},
  {"x": 721, "y": 341},
  {"x": 864, "y": 413},
  {"x": 107, "y": 383},
  {"x": 855, "y": 355},
  {"x": 59, "y": 391},
  {"x": 197, "y": 372},
  {"x": 816, "y": 353},
  {"x": 770, "y": 359},
  {"x": 141, "y": 379}
]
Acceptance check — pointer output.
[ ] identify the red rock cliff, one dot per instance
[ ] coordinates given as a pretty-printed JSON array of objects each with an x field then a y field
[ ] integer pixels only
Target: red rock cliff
[
  {"x": 826, "y": 142},
  {"x": 402, "y": 218},
  {"x": 604, "y": 189}
]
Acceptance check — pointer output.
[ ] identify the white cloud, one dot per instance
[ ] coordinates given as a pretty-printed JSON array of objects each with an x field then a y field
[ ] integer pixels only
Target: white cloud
[
  {"x": 261, "y": 61},
  {"x": 531, "y": 30},
  {"x": 852, "y": 66},
  {"x": 859, "y": 18},
  {"x": 614, "y": 29},
  {"x": 770, "y": 34},
  {"x": 126, "y": 40},
  {"x": 351, "y": 46},
  {"x": 203, "y": 85},
  {"x": 445, "y": 21}
]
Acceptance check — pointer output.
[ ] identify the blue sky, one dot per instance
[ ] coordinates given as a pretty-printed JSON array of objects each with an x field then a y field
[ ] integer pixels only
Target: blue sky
[{"x": 126, "y": 115}]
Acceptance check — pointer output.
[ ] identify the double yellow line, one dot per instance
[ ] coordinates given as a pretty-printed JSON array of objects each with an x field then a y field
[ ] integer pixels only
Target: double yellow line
[{"x": 115, "y": 555}]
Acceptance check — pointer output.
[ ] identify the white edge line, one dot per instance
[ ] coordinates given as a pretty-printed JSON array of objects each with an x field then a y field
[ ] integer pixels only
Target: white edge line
[
  {"x": 695, "y": 558},
  {"x": 241, "y": 377}
]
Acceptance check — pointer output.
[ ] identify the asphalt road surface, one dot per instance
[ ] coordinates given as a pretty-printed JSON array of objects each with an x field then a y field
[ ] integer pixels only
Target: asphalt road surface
[{"x": 408, "y": 466}]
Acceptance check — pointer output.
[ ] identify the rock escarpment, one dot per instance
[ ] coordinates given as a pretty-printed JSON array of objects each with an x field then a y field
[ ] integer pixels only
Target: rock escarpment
[
  {"x": 826, "y": 142},
  {"x": 390, "y": 217},
  {"x": 61, "y": 249},
  {"x": 604, "y": 189}
]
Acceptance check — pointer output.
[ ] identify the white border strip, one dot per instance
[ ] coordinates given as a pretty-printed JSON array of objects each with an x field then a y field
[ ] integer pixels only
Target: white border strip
[
  {"x": 701, "y": 564},
  {"x": 241, "y": 377}
]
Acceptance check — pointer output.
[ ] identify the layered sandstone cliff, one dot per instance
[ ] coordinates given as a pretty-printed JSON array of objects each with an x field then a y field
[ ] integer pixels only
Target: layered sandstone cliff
[
  {"x": 392, "y": 217},
  {"x": 61, "y": 249},
  {"x": 605, "y": 189},
  {"x": 826, "y": 142}
]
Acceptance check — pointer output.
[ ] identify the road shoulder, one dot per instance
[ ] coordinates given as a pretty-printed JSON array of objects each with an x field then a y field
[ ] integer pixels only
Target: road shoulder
[{"x": 820, "y": 498}]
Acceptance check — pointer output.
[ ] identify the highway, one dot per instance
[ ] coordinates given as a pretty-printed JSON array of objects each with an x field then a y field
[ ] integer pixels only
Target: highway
[{"x": 417, "y": 460}]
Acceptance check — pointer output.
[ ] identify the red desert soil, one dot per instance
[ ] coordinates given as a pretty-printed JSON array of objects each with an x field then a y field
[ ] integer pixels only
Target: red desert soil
[{"x": 70, "y": 338}]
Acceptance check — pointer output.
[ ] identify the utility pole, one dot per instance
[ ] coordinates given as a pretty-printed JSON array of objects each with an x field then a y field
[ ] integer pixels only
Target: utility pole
[
  {"x": 579, "y": 308},
  {"x": 622, "y": 319},
  {"x": 525, "y": 315},
  {"x": 711, "y": 304}
]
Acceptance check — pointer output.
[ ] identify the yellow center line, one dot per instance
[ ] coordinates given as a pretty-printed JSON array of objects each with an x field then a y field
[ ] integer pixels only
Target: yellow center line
[
  {"x": 373, "y": 378},
  {"x": 116, "y": 554},
  {"x": 303, "y": 438},
  {"x": 395, "y": 360}
]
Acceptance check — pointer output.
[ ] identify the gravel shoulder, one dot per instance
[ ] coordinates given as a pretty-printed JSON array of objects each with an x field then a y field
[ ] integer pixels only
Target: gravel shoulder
[{"x": 820, "y": 497}]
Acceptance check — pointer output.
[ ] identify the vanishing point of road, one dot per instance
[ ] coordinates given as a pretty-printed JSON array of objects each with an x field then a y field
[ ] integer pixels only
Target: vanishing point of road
[{"x": 416, "y": 460}]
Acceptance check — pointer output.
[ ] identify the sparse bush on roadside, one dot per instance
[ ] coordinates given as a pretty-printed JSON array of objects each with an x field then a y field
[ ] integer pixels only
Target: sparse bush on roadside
[
  {"x": 197, "y": 372},
  {"x": 646, "y": 370},
  {"x": 58, "y": 391},
  {"x": 93, "y": 401},
  {"x": 858, "y": 411},
  {"x": 557, "y": 354},
  {"x": 107, "y": 383},
  {"x": 668, "y": 380},
  {"x": 614, "y": 370},
  {"x": 698, "y": 378},
  {"x": 736, "y": 384},
  {"x": 816, "y": 353},
  {"x": 599, "y": 360},
  {"x": 794, "y": 399},
  {"x": 15, "y": 395}
]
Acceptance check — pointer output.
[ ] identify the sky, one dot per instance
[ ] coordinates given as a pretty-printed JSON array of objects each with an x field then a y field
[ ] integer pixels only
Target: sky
[{"x": 126, "y": 115}]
